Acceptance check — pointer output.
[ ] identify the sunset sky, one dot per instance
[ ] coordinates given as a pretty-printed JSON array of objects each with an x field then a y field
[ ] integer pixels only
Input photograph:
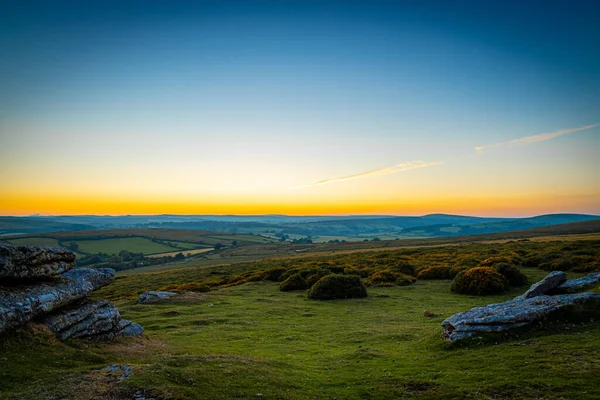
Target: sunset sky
[{"x": 485, "y": 108}]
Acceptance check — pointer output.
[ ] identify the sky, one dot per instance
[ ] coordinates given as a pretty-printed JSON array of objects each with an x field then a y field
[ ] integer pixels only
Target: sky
[{"x": 484, "y": 108}]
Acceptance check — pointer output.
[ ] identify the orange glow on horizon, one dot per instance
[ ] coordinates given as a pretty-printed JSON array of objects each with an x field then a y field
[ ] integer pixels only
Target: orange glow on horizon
[{"x": 513, "y": 205}]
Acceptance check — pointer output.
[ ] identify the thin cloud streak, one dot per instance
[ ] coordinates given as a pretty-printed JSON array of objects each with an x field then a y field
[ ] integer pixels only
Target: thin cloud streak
[
  {"x": 533, "y": 139},
  {"x": 393, "y": 169}
]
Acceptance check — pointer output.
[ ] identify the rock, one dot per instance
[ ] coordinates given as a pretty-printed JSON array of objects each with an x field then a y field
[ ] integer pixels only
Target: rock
[
  {"x": 93, "y": 320},
  {"x": 19, "y": 305},
  {"x": 152, "y": 297},
  {"x": 121, "y": 372},
  {"x": 84, "y": 321},
  {"x": 577, "y": 285},
  {"x": 28, "y": 262},
  {"x": 514, "y": 314},
  {"x": 131, "y": 328},
  {"x": 551, "y": 281}
]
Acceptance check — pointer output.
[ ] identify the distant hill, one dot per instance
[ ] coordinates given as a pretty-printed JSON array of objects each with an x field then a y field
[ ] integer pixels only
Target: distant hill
[
  {"x": 350, "y": 227},
  {"x": 16, "y": 225}
]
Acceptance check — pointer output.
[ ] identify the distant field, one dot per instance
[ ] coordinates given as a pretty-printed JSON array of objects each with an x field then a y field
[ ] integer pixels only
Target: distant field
[
  {"x": 114, "y": 246},
  {"x": 184, "y": 252},
  {"x": 34, "y": 241},
  {"x": 182, "y": 245}
]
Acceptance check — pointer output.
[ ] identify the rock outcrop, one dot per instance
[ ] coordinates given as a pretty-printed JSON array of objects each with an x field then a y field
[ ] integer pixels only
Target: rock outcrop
[
  {"x": 59, "y": 296},
  {"x": 551, "y": 281},
  {"x": 28, "y": 262},
  {"x": 21, "y": 304},
  {"x": 153, "y": 297},
  {"x": 577, "y": 285},
  {"x": 523, "y": 311}
]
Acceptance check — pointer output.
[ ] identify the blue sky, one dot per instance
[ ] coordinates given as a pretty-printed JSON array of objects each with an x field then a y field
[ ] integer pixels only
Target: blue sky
[{"x": 272, "y": 95}]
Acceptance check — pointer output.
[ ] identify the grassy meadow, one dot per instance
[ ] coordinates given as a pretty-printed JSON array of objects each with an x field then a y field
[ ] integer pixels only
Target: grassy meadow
[{"x": 247, "y": 339}]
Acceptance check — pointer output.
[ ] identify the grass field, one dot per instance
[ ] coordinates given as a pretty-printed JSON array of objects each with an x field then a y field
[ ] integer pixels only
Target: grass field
[
  {"x": 34, "y": 241},
  {"x": 185, "y": 252},
  {"x": 256, "y": 339},
  {"x": 114, "y": 246}
]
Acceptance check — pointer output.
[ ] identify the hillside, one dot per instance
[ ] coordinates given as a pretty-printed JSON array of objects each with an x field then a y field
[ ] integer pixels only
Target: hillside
[{"x": 19, "y": 225}]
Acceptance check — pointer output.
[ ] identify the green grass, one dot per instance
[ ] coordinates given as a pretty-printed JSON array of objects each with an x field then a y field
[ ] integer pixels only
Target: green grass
[
  {"x": 34, "y": 241},
  {"x": 257, "y": 339},
  {"x": 183, "y": 245},
  {"x": 114, "y": 246}
]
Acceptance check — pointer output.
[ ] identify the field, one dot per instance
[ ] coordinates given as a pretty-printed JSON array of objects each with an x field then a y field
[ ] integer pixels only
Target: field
[
  {"x": 246, "y": 338},
  {"x": 35, "y": 241},
  {"x": 256, "y": 339},
  {"x": 114, "y": 246},
  {"x": 185, "y": 252}
]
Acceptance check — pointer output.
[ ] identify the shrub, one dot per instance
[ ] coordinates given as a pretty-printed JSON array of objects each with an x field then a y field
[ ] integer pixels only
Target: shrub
[
  {"x": 185, "y": 287},
  {"x": 274, "y": 274},
  {"x": 404, "y": 267},
  {"x": 512, "y": 274},
  {"x": 558, "y": 264},
  {"x": 363, "y": 273},
  {"x": 337, "y": 286},
  {"x": 405, "y": 280},
  {"x": 479, "y": 281},
  {"x": 316, "y": 275},
  {"x": 294, "y": 282},
  {"x": 491, "y": 261},
  {"x": 288, "y": 273},
  {"x": 383, "y": 276},
  {"x": 437, "y": 273},
  {"x": 336, "y": 269}
]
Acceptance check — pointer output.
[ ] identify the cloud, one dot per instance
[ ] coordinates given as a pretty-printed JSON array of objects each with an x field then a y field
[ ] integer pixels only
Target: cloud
[
  {"x": 392, "y": 169},
  {"x": 533, "y": 139}
]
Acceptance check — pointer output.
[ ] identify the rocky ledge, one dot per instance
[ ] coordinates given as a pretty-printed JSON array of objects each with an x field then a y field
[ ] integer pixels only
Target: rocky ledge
[
  {"x": 525, "y": 310},
  {"x": 60, "y": 299},
  {"x": 28, "y": 262}
]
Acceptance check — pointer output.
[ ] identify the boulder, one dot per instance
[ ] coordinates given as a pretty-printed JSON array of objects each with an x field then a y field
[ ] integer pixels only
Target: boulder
[
  {"x": 515, "y": 314},
  {"x": 20, "y": 304},
  {"x": 28, "y": 262},
  {"x": 153, "y": 297},
  {"x": 84, "y": 321},
  {"x": 91, "y": 320},
  {"x": 577, "y": 285},
  {"x": 551, "y": 281}
]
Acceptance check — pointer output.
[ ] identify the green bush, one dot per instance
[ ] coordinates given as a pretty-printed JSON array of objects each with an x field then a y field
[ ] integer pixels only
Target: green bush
[
  {"x": 185, "y": 287},
  {"x": 558, "y": 264},
  {"x": 336, "y": 269},
  {"x": 404, "y": 280},
  {"x": 274, "y": 274},
  {"x": 294, "y": 282},
  {"x": 479, "y": 281},
  {"x": 404, "y": 267},
  {"x": 316, "y": 275},
  {"x": 337, "y": 286},
  {"x": 437, "y": 273},
  {"x": 363, "y": 272},
  {"x": 288, "y": 273},
  {"x": 383, "y": 276},
  {"x": 491, "y": 261},
  {"x": 512, "y": 274}
]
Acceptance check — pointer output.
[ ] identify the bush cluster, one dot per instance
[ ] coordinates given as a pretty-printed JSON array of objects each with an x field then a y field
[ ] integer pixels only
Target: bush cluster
[
  {"x": 437, "y": 273},
  {"x": 294, "y": 282},
  {"x": 479, "y": 281},
  {"x": 512, "y": 274},
  {"x": 338, "y": 286}
]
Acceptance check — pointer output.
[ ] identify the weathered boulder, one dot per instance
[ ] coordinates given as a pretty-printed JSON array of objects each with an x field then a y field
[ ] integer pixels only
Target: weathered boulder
[
  {"x": 92, "y": 320},
  {"x": 551, "y": 281},
  {"x": 84, "y": 321},
  {"x": 28, "y": 262},
  {"x": 514, "y": 314},
  {"x": 153, "y": 297},
  {"x": 19, "y": 305},
  {"x": 577, "y": 285}
]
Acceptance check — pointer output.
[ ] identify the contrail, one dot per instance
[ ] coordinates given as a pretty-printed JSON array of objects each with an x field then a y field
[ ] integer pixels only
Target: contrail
[
  {"x": 393, "y": 169},
  {"x": 533, "y": 139}
]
